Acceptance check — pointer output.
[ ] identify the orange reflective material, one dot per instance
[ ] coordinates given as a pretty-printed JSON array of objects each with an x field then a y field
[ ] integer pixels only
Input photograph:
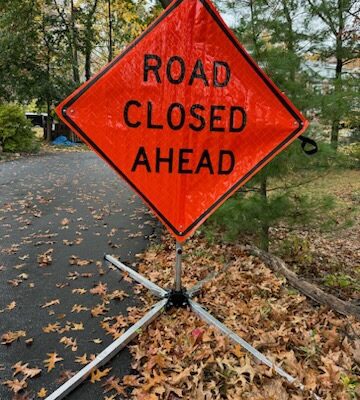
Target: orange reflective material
[{"x": 184, "y": 115}]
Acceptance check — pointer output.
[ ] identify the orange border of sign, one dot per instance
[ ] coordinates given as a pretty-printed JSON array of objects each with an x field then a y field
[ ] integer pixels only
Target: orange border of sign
[{"x": 301, "y": 122}]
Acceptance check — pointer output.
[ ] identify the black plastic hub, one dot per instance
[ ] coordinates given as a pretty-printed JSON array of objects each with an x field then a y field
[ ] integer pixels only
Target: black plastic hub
[{"x": 177, "y": 299}]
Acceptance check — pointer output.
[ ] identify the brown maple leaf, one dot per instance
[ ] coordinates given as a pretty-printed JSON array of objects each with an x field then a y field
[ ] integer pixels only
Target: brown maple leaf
[
  {"x": 42, "y": 393},
  {"x": 100, "y": 289},
  {"x": 19, "y": 367},
  {"x": 65, "y": 376},
  {"x": 77, "y": 326},
  {"x": 51, "y": 327},
  {"x": 113, "y": 383},
  {"x": 45, "y": 259},
  {"x": 51, "y": 303},
  {"x": 97, "y": 374},
  {"x": 16, "y": 385},
  {"x": 98, "y": 310},
  {"x": 82, "y": 359},
  {"x": 11, "y": 306},
  {"x": 74, "y": 260},
  {"x": 117, "y": 295},
  {"x": 50, "y": 362},
  {"x": 9, "y": 337},
  {"x": 69, "y": 342},
  {"x": 79, "y": 291},
  {"x": 78, "y": 308}
]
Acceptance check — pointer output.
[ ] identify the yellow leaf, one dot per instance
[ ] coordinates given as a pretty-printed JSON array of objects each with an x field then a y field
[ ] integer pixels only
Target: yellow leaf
[
  {"x": 51, "y": 327},
  {"x": 97, "y": 374},
  {"x": 82, "y": 359},
  {"x": 11, "y": 306},
  {"x": 50, "y": 362},
  {"x": 42, "y": 393},
  {"x": 51, "y": 303}
]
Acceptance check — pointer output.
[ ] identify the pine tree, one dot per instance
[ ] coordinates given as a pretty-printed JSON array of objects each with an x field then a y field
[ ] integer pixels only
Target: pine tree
[
  {"x": 337, "y": 36},
  {"x": 270, "y": 30}
]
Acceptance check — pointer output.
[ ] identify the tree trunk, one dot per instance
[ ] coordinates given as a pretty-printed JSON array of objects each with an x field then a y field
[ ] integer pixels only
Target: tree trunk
[
  {"x": 308, "y": 289},
  {"x": 89, "y": 38},
  {"x": 335, "y": 126},
  {"x": 289, "y": 37},
  {"x": 110, "y": 56},
  {"x": 75, "y": 58},
  {"x": 48, "y": 135},
  {"x": 253, "y": 30},
  {"x": 264, "y": 233}
]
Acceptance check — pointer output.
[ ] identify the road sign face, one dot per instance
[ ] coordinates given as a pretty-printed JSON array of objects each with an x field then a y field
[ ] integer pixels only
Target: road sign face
[{"x": 184, "y": 115}]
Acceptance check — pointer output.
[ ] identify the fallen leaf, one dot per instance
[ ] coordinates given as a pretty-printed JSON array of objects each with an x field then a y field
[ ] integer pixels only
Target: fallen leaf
[
  {"x": 19, "y": 367},
  {"x": 50, "y": 362},
  {"x": 51, "y": 327},
  {"x": 10, "y": 336},
  {"x": 45, "y": 259},
  {"x": 82, "y": 359},
  {"x": 51, "y": 303},
  {"x": 69, "y": 342},
  {"x": 42, "y": 393},
  {"x": 78, "y": 308},
  {"x": 97, "y": 374},
  {"x": 11, "y": 306},
  {"x": 16, "y": 385},
  {"x": 99, "y": 309}
]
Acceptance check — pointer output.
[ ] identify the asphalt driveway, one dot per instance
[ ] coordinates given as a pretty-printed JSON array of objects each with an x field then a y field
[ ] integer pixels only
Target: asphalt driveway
[{"x": 59, "y": 214}]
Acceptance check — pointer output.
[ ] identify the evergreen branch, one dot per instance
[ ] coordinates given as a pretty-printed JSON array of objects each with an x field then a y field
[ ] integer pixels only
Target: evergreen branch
[{"x": 325, "y": 18}]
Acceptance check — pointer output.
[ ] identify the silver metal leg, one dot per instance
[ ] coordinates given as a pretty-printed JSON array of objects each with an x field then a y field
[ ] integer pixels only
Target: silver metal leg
[
  {"x": 192, "y": 292},
  {"x": 122, "y": 341},
  {"x": 109, "y": 352},
  {"x": 237, "y": 339},
  {"x": 177, "y": 283},
  {"x": 155, "y": 289}
]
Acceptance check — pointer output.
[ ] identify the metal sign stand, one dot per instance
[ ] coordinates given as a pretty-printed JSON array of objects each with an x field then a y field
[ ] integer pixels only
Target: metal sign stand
[{"x": 177, "y": 297}]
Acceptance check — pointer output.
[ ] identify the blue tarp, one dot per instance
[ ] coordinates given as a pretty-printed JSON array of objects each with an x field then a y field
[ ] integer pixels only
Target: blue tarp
[{"x": 63, "y": 141}]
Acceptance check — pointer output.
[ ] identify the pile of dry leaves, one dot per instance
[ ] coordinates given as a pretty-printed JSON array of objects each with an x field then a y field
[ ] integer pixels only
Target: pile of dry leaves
[{"x": 181, "y": 357}]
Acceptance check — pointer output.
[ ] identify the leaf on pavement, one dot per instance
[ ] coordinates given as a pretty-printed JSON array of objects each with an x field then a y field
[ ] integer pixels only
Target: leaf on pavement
[
  {"x": 11, "y": 306},
  {"x": 83, "y": 360},
  {"x": 51, "y": 327},
  {"x": 42, "y": 393},
  {"x": 69, "y": 342},
  {"x": 19, "y": 367},
  {"x": 100, "y": 289},
  {"x": 78, "y": 308},
  {"x": 97, "y": 374},
  {"x": 45, "y": 259},
  {"x": 51, "y": 303},
  {"x": 16, "y": 385},
  {"x": 99, "y": 309},
  {"x": 9, "y": 337},
  {"x": 51, "y": 361}
]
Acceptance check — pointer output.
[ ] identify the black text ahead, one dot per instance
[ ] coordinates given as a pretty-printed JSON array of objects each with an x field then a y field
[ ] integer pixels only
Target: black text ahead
[{"x": 214, "y": 118}]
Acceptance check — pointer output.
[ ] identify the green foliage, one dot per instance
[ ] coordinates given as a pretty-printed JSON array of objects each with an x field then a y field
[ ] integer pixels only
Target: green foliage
[
  {"x": 297, "y": 249},
  {"x": 16, "y": 134},
  {"x": 249, "y": 213},
  {"x": 352, "y": 154},
  {"x": 338, "y": 280}
]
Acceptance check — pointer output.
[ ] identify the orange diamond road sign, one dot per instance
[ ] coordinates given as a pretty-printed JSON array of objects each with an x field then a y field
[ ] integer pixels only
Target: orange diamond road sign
[{"x": 184, "y": 115}]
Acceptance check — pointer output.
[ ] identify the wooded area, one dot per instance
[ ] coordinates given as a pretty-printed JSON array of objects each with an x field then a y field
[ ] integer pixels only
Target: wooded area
[
  {"x": 292, "y": 231},
  {"x": 309, "y": 48}
]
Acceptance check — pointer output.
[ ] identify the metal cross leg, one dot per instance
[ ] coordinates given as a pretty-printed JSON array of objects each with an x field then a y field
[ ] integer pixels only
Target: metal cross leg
[{"x": 177, "y": 297}]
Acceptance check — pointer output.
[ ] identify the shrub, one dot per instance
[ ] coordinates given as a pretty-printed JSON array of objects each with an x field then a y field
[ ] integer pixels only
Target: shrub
[{"x": 16, "y": 134}]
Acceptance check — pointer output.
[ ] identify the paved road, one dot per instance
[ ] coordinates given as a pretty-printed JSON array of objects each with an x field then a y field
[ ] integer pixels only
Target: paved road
[{"x": 47, "y": 202}]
